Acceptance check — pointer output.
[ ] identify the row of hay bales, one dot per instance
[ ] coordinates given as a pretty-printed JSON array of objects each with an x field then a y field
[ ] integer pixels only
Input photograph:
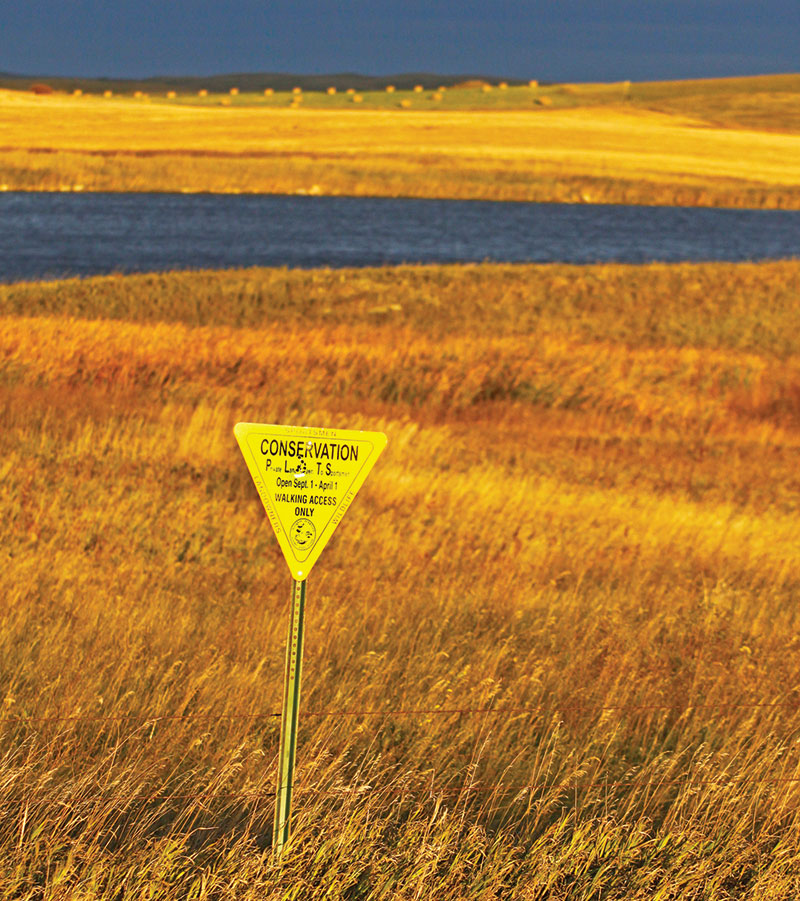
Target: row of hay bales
[
  {"x": 41, "y": 88},
  {"x": 297, "y": 94},
  {"x": 417, "y": 89}
]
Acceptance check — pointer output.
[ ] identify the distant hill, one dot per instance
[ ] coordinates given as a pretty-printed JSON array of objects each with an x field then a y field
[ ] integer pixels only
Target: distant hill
[{"x": 246, "y": 82}]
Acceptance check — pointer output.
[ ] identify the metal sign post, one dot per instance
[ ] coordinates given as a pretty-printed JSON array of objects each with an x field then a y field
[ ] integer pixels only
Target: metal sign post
[{"x": 289, "y": 717}]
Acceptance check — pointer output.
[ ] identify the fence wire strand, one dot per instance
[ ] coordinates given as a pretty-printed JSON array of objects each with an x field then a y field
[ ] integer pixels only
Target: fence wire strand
[
  {"x": 519, "y": 791},
  {"x": 553, "y": 707}
]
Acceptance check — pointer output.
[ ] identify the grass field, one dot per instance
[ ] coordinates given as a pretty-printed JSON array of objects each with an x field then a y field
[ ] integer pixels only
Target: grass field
[
  {"x": 560, "y": 617},
  {"x": 729, "y": 142}
]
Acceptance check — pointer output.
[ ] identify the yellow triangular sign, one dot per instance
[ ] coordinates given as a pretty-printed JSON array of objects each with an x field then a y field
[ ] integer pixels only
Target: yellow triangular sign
[{"x": 306, "y": 479}]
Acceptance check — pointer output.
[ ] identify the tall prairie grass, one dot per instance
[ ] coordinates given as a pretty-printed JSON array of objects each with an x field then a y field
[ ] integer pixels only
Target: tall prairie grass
[{"x": 551, "y": 650}]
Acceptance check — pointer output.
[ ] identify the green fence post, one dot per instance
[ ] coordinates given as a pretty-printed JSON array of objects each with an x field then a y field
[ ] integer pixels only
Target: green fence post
[{"x": 289, "y": 717}]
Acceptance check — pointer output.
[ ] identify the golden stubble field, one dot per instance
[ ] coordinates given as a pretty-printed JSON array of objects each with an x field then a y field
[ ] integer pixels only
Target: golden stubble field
[
  {"x": 686, "y": 149},
  {"x": 551, "y": 650}
]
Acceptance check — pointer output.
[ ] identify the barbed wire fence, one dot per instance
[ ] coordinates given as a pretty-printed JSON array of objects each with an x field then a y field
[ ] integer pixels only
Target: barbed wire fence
[{"x": 729, "y": 779}]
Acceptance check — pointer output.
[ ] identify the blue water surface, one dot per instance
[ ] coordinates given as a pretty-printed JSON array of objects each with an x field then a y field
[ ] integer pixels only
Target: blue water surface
[{"x": 46, "y": 235}]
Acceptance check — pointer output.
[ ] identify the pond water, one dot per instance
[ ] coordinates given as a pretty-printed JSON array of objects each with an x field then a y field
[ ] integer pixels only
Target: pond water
[{"x": 53, "y": 234}]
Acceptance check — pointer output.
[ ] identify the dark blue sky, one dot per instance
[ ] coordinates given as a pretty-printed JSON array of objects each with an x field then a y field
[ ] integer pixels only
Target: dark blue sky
[{"x": 555, "y": 40}]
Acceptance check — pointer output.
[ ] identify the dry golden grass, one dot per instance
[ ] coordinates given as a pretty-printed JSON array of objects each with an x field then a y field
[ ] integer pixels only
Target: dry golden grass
[
  {"x": 587, "y": 153},
  {"x": 586, "y": 516}
]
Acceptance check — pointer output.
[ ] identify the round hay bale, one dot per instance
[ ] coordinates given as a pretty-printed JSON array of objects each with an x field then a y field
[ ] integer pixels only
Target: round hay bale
[
  {"x": 108, "y": 93},
  {"x": 533, "y": 83},
  {"x": 405, "y": 103},
  {"x": 77, "y": 92},
  {"x": 351, "y": 90},
  {"x": 503, "y": 86},
  {"x": 331, "y": 90},
  {"x": 234, "y": 91},
  {"x": 268, "y": 92},
  {"x": 171, "y": 95},
  {"x": 357, "y": 98},
  {"x": 390, "y": 89},
  {"x": 137, "y": 93},
  {"x": 297, "y": 90},
  {"x": 418, "y": 89},
  {"x": 437, "y": 96},
  {"x": 202, "y": 93},
  {"x": 486, "y": 88}
]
